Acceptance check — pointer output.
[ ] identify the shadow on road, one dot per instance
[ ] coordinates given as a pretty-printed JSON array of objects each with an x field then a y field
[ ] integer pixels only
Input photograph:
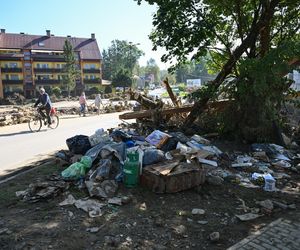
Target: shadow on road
[{"x": 21, "y": 133}]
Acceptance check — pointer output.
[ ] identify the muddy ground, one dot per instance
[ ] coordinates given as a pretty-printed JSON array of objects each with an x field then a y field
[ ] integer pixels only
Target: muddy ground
[{"x": 148, "y": 221}]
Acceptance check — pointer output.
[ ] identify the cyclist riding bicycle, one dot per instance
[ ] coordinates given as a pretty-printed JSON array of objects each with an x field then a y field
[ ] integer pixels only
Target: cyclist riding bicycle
[{"x": 44, "y": 99}]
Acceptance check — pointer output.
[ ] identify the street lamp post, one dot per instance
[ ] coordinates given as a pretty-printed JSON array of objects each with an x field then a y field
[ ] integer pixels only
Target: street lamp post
[{"x": 130, "y": 57}]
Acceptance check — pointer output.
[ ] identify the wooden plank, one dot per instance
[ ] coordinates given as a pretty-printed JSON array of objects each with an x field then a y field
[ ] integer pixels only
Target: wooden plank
[
  {"x": 170, "y": 92},
  {"x": 219, "y": 105},
  {"x": 149, "y": 113}
]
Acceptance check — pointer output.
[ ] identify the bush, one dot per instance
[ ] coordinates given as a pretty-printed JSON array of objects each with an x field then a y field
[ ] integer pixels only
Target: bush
[
  {"x": 95, "y": 90},
  {"x": 56, "y": 91}
]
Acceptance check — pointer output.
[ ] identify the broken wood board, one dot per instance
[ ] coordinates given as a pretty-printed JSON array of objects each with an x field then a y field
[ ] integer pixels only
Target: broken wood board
[
  {"x": 162, "y": 178},
  {"x": 149, "y": 113},
  {"x": 170, "y": 111}
]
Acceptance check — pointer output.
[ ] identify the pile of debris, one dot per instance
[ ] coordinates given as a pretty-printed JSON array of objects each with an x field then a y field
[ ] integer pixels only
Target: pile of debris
[
  {"x": 15, "y": 116},
  {"x": 110, "y": 107},
  {"x": 164, "y": 162},
  {"x": 20, "y": 114},
  {"x": 14, "y": 99}
]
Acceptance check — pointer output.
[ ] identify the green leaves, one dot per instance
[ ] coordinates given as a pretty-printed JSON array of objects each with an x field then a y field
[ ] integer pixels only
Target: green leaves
[
  {"x": 120, "y": 55},
  {"x": 71, "y": 68}
]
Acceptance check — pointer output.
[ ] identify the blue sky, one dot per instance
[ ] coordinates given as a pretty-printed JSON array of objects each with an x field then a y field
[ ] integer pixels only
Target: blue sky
[{"x": 108, "y": 19}]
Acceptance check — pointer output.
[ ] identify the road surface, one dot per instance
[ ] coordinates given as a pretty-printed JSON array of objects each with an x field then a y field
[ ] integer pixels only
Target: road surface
[{"x": 19, "y": 146}]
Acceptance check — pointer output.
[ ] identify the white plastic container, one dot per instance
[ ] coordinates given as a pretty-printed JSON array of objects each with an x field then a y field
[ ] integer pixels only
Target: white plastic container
[{"x": 270, "y": 185}]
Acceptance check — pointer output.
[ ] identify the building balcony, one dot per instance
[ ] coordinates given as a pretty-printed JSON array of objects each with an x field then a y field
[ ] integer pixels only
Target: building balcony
[
  {"x": 47, "y": 58},
  {"x": 48, "y": 70},
  {"x": 11, "y": 57},
  {"x": 11, "y": 70},
  {"x": 87, "y": 81},
  {"x": 12, "y": 81},
  {"x": 48, "y": 81},
  {"x": 97, "y": 71}
]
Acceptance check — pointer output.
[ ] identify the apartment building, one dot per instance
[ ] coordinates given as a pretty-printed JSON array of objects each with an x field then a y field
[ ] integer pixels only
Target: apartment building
[{"x": 28, "y": 62}]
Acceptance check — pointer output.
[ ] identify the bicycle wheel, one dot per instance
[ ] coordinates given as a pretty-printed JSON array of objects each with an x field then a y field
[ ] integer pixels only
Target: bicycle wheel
[
  {"x": 54, "y": 121},
  {"x": 35, "y": 124}
]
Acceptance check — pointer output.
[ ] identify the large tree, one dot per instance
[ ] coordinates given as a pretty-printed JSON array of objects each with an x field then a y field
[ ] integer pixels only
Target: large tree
[
  {"x": 71, "y": 68},
  {"x": 152, "y": 69},
  {"x": 121, "y": 56},
  {"x": 252, "y": 41},
  {"x": 193, "y": 70},
  {"x": 122, "y": 79}
]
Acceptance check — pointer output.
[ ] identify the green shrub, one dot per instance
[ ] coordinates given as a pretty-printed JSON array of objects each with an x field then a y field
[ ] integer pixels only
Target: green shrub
[{"x": 56, "y": 91}]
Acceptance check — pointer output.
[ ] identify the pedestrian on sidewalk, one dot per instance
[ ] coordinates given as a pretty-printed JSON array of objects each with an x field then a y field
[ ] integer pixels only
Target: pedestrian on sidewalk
[
  {"x": 83, "y": 104},
  {"x": 97, "y": 102},
  {"x": 46, "y": 105}
]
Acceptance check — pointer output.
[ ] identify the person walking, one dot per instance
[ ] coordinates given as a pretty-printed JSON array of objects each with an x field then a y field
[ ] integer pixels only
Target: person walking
[
  {"x": 98, "y": 101},
  {"x": 83, "y": 104},
  {"x": 44, "y": 99}
]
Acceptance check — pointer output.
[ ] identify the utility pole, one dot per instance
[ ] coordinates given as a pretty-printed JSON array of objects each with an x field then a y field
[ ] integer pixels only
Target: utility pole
[{"x": 130, "y": 58}]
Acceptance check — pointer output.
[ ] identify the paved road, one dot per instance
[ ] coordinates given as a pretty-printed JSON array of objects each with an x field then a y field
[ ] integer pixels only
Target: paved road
[
  {"x": 19, "y": 146},
  {"x": 279, "y": 235}
]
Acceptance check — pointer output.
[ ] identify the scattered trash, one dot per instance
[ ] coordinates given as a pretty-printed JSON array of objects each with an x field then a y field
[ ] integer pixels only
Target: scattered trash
[
  {"x": 269, "y": 183},
  {"x": 78, "y": 144},
  {"x": 105, "y": 189},
  {"x": 198, "y": 211},
  {"x": 208, "y": 162},
  {"x": 92, "y": 207},
  {"x": 283, "y": 206},
  {"x": 248, "y": 216},
  {"x": 42, "y": 190},
  {"x": 69, "y": 201},
  {"x": 115, "y": 201},
  {"x": 93, "y": 229},
  {"x": 214, "y": 237},
  {"x": 282, "y": 163},
  {"x": 202, "y": 222},
  {"x": 103, "y": 170},
  {"x": 99, "y": 136},
  {"x": 181, "y": 229},
  {"x": 267, "y": 204},
  {"x": 238, "y": 165},
  {"x": 77, "y": 169},
  {"x": 157, "y": 138}
]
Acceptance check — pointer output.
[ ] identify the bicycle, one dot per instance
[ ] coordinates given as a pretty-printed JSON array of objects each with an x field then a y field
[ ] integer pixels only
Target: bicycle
[{"x": 36, "y": 122}]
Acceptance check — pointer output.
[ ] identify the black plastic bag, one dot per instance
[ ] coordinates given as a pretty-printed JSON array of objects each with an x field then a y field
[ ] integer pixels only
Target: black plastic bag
[{"x": 78, "y": 144}]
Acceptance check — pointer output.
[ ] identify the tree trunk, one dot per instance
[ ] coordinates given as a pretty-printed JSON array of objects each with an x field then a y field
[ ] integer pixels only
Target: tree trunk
[{"x": 265, "y": 18}]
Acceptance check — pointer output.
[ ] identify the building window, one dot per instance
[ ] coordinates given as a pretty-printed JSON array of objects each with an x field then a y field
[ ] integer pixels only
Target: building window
[
  {"x": 14, "y": 77},
  {"x": 92, "y": 77},
  {"x": 38, "y": 66},
  {"x": 45, "y": 77},
  {"x": 41, "y": 44},
  {"x": 13, "y": 65},
  {"x": 6, "y": 76},
  {"x": 90, "y": 66},
  {"x": 45, "y": 66},
  {"x": 86, "y": 77}
]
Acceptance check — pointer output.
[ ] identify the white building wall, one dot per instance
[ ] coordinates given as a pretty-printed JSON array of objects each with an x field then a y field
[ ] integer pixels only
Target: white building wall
[{"x": 296, "y": 78}]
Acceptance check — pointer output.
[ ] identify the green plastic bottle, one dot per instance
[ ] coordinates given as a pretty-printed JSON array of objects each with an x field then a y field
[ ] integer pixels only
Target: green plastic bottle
[{"x": 131, "y": 170}]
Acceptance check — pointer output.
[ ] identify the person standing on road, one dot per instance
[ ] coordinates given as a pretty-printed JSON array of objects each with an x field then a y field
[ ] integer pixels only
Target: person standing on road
[
  {"x": 98, "y": 101},
  {"x": 44, "y": 99},
  {"x": 83, "y": 104}
]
